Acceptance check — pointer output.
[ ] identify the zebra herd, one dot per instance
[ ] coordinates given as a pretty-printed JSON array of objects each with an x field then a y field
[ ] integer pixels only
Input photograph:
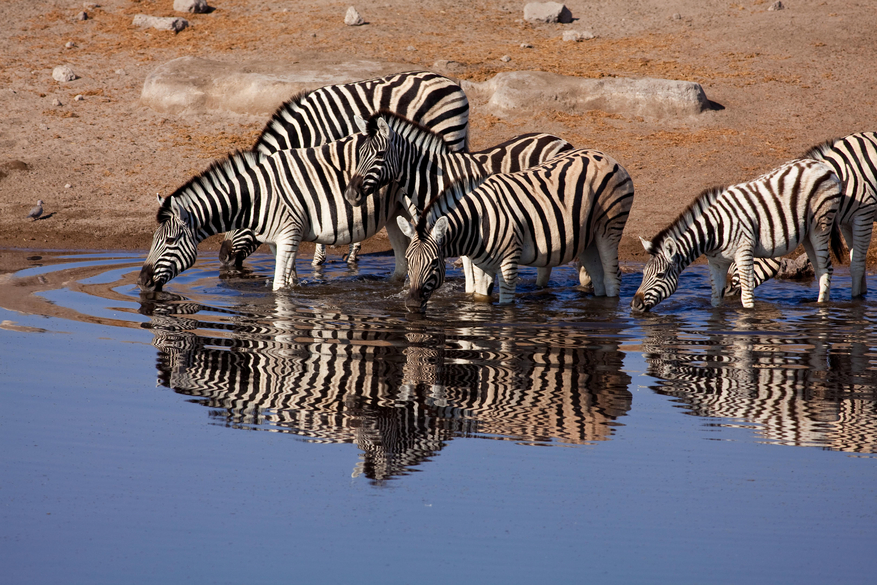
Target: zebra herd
[{"x": 338, "y": 164}]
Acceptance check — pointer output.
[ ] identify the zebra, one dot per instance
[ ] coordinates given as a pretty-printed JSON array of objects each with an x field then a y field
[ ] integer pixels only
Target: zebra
[
  {"x": 402, "y": 151},
  {"x": 573, "y": 206},
  {"x": 854, "y": 159},
  {"x": 314, "y": 118},
  {"x": 769, "y": 216},
  {"x": 288, "y": 197}
]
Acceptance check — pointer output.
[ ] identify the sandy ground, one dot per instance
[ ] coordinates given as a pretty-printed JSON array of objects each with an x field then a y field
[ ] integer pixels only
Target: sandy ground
[{"x": 787, "y": 79}]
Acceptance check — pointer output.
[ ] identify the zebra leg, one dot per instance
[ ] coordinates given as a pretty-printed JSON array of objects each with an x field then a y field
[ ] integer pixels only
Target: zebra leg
[
  {"x": 719, "y": 278},
  {"x": 590, "y": 262},
  {"x": 543, "y": 275},
  {"x": 608, "y": 251},
  {"x": 399, "y": 241},
  {"x": 353, "y": 253},
  {"x": 284, "y": 263},
  {"x": 816, "y": 246},
  {"x": 483, "y": 284},
  {"x": 319, "y": 255},
  {"x": 508, "y": 281},
  {"x": 862, "y": 228},
  {"x": 468, "y": 274}
]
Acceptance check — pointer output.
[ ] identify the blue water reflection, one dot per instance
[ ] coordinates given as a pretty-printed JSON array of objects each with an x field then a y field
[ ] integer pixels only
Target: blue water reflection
[{"x": 126, "y": 458}]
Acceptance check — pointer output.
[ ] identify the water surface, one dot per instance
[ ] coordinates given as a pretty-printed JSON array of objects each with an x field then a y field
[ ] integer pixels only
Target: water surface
[{"x": 220, "y": 432}]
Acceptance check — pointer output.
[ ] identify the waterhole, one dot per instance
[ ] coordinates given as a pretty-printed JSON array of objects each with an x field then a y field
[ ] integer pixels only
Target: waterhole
[{"x": 218, "y": 429}]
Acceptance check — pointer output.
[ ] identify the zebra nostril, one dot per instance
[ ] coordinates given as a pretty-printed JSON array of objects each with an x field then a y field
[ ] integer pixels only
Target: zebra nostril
[{"x": 353, "y": 193}]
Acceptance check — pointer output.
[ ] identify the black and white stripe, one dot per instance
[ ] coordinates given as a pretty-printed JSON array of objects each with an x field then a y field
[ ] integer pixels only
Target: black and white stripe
[
  {"x": 326, "y": 114},
  {"x": 573, "y": 206},
  {"x": 288, "y": 197},
  {"x": 768, "y": 217},
  {"x": 411, "y": 155}
]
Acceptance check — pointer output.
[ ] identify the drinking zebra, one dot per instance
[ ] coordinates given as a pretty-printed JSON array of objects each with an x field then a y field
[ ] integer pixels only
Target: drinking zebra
[
  {"x": 287, "y": 197},
  {"x": 573, "y": 206},
  {"x": 314, "y": 118},
  {"x": 399, "y": 150},
  {"x": 767, "y": 217}
]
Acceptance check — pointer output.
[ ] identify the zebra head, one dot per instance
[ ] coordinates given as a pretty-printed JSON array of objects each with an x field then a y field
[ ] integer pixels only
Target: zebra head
[
  {"x": 378, "y": 160},
  {"x": 174, "y": 247},
  {"x": 660, "y": 276},
  {"x": 426, "y": 260}
]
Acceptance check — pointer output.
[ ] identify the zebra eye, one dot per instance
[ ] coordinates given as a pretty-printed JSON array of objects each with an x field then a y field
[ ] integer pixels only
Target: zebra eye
[{"x": 171, "y": 239}]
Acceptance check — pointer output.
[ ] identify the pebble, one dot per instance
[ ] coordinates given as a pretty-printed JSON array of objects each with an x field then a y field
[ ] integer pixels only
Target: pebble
[
  {"x": 63, "y": 73},
  {"x": 70, "y": 44},
  {"x": 353, "y": 18},
  {"x": 411, "y": 48},
  {"x": 56, "y": 102},
  {"x": 160, "y": 22},
  {"x": 676, "y": 16},
  {"x": 547, "y": 12},
  {"x": 67, "y": 186},
  {"x": 574, "y": 35},
  {"x": 79, "y": 98},
  {"x": 82, "y": 16},
  {"x": 526, "y": 46},
  {"x": 778, "y": 5},
  {"x": 505, "y": 58},
  {"x": 120, "y": 72}
]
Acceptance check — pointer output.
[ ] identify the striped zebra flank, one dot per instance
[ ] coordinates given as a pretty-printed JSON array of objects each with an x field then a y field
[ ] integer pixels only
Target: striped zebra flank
[
  {"x": 767, "y": 217},
  {"x": 573, "y": 206},
  {"x": 317, "y": 117},
  {"x": 413, "y": 156},
  {"x": 288, "y": 197}
]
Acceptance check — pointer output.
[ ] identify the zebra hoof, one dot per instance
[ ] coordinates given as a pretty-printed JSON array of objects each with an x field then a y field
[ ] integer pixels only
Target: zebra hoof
[{"x": 480, "y": 298}]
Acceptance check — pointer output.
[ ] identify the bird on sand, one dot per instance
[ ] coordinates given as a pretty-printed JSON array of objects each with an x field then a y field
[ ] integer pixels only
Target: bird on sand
[{"x": 37, "y": 211}]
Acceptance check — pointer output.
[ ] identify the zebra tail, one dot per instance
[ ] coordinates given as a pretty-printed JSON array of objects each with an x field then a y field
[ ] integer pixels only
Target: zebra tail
[{"x": 838, "y": 250}]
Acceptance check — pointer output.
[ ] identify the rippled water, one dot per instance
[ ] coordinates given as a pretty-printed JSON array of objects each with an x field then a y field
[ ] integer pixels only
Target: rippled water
[{"x": 691, "y": 444}]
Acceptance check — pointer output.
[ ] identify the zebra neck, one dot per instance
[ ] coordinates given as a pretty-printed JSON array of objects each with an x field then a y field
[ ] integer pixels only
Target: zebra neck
[
  {"x": 699, "y": 239},
  {"x": 429, "y": 172}
]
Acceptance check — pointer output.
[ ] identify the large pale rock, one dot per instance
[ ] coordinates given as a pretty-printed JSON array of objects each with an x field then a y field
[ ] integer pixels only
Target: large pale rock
[
  {"x": 522, "y": 92},
  {"x": 190, "y": 85},
  {"x": 63, "y": 73},
  {"x": 353, "y": 18},
  {"x": 547, "y": 12}
]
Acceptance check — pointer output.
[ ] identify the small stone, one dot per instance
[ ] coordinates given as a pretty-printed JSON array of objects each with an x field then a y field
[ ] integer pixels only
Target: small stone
[
  {"x": 68, "y": 186},
  {"x": 63, "y": 73},
  {"x": 526, "y": 46},
  {"x": 778, "y": 5},
  {"x": 353, "y": 18},
  {"x": 69, "y": 44},
  {"x": 56, "y": 102},
  {"x": 193, "y": 6},
  {"x": 547, "y": 12},
  {"x": 82, "y": 16},
  {"x": 120, "y": 72},
  {"x": 574, "y": 35},
  {"x": 505, "y": 58},
  {"x": 676, "y": 16},
  {"x": 43, "y": 127},
  {"x": 168, "y": 23},
  {"x": 410, "y": 48},
  {"x": 78, "y": 98}
]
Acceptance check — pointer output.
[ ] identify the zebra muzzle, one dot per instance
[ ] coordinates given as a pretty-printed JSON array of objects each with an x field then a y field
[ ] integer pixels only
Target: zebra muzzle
[
  {"x": 353, "y": 194},
  {"x": 639, "y": 302},
  {"x": 146, "y": 280}
]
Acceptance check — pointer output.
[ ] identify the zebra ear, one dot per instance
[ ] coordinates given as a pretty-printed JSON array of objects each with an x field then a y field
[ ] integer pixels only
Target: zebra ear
[
  {"x": 360, "y": 123},
  {"x": 647, "y": 244},
  {"x": 160, "y": 200},
  {"x": 383, "y": 127},
  {"x": 180, "y": 211},
  {"x": 439, "y": 230},
  {"x": 406, "y": 227},
  {"x": 670, "y": 249}
]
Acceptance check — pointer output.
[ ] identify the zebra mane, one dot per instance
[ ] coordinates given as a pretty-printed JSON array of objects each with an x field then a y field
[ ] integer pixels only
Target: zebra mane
[
  {"x": 229, "y": 167},
  {"x": 818, "y": 151},
  {"x": 447, "y": 198},
  {"x": 688, "y": 216},
  {"x": 413, "y": 131},
  {"x": 290, "y": 104}
]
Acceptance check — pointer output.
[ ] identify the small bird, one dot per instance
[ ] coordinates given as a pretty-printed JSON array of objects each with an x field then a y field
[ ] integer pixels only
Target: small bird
[{"x": 37, "y": 211}]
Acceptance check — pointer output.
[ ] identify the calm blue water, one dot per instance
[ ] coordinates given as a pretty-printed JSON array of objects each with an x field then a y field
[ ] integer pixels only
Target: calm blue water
[{"x": 221, "y": 433}]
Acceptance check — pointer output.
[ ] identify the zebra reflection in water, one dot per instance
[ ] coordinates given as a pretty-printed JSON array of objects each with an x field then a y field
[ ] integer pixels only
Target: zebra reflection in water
[
  {"x": 812, "y": 386},
  {"x": 398, "y": 390}
]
